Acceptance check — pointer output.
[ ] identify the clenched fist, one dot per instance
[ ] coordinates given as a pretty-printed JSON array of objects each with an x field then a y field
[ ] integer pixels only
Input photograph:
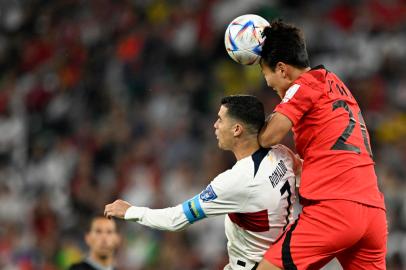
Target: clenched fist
[{"x": 116, "y": 209}]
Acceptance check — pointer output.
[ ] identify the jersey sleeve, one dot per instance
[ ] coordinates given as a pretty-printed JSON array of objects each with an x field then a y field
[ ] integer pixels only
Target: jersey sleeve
[
  {"x": 168, "y": 219},
  {"x": 227, "y": 193},
  {"x": 223, "y": 195},
  {"x": 299, "y": 98}
]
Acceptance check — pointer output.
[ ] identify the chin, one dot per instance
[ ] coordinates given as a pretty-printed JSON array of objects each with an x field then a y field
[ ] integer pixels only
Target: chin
[
  {"x": 222, "y": 146},
  {"x": 105, "y": 253}
]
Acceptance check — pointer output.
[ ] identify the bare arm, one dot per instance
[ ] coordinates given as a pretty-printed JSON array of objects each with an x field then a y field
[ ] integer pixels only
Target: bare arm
[{"x": 274, "y": 130}]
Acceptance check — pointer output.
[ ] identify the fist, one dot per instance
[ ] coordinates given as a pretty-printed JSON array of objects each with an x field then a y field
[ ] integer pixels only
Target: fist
[{"x": 116, "y": 209}]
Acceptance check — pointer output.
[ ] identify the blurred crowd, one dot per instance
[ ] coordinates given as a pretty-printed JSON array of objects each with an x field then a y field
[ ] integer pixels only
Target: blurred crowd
[{"x": 105, "y": 99}]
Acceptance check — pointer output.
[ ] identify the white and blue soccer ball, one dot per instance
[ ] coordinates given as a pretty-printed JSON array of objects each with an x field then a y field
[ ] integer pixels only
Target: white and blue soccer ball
[{"x": 243, "y": 38}]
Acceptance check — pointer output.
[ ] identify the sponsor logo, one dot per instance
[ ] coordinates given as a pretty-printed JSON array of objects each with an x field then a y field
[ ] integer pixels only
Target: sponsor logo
[{"x": 208, "y": 194}]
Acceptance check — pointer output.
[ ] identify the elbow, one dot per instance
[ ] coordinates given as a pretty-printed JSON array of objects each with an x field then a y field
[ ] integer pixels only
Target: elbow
[
  {"x": 176, "y": 224},
  {"x": 175, "y": 229},
  {"x": 169, "y": 227},
  {"x": 267, "y": 141}
]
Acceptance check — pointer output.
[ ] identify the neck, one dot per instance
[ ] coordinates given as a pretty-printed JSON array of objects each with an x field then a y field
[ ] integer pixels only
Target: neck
[
  {"x": 245, "y": 148},
  {"x": 104, "y": 261},
  {"x": 293, "y": 75},
  {"x": 296, "y": 72}
]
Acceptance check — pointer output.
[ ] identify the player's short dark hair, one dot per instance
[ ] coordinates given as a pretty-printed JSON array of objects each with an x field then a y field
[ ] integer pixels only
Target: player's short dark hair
[
  {"x": 93, "y": 218},
  {"x": 284, "y": 43},
  {"x": 247, "y": 109}
]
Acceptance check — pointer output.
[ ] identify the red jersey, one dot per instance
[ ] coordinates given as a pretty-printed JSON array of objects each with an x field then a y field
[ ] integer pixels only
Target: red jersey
[{"x": 331, "y": 136}]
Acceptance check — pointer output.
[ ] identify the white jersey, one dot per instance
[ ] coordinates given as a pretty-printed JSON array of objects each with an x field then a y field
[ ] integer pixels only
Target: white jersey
[{"x": 256, "y": 195}]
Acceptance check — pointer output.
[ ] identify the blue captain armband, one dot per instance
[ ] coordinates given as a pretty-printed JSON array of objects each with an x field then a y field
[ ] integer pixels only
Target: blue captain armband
[{"x": 193, "y": 210}]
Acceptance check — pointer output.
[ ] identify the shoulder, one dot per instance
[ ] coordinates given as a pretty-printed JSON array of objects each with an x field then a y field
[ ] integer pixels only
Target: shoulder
[
  {"x": 234, "y": 179},
  {"x": 241, "y": 167},
  {"x": 318, "y": 73},
  {"x": 236, "y": 173},
  {"x": 248, "y": 166},
  {"x": 314, "y": 78},
  {"x": 81, "y": 266},
  {"x": 257, "y": 158},
  {"x": 281, "y": 149},
  {"x": 307, "y": 89},
  {"x": 281, "y": 152}
]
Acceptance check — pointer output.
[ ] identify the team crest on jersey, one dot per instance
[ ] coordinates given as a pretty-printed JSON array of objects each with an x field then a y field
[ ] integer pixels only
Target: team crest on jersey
[
  {"x": 290, "y": 93},
  {"x": 208, "y": 194}
]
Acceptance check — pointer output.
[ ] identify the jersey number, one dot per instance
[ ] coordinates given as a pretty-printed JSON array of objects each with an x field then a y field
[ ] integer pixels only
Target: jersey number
[
  {"x": 286, "y": 188},
  {"x": 341, "y": 144}
]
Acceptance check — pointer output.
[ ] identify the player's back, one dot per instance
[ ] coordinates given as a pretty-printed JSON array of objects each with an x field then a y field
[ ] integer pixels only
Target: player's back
[
  {"x": 268, "y": 207},
  {"x": 331, "y": 135}
]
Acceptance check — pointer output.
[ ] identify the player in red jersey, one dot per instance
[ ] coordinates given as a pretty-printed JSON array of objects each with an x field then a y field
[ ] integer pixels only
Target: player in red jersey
[{"x": 343, "y": 210}]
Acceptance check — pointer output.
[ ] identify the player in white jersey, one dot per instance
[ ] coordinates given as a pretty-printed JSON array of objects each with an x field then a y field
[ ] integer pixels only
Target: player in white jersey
[{"x": 256, "y": 194}]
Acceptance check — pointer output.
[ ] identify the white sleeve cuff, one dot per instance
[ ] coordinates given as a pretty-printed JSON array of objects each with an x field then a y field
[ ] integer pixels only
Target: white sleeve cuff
[{"x": 135, "y": 213}]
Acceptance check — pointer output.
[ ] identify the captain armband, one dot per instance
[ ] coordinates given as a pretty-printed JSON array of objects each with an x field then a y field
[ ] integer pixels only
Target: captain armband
[{"x": 193, "y": 209}]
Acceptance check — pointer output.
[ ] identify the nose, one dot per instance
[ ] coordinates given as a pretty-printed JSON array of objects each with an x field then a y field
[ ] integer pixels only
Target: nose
[{"x": 215, "y": 125}]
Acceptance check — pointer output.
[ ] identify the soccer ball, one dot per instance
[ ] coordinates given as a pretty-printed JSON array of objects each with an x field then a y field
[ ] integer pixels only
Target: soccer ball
[{"x": 243, "y": 38}]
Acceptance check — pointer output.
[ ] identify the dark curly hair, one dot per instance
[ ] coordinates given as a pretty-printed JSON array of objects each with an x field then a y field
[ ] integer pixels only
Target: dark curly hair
[{"x": 284, "y": 43}]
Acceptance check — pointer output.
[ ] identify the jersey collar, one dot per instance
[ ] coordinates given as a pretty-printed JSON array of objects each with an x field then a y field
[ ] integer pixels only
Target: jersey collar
[
  {"x": 318, "y": 67},
  {"x": 258, "y": 156}
]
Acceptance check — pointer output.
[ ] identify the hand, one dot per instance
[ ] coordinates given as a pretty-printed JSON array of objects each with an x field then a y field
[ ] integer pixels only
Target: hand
[{"x": 116, "y": 209}]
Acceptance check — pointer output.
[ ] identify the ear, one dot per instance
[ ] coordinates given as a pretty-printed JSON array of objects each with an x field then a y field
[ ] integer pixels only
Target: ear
[
  {"x": 282, "y": 68},
  {"x": 238, "y": 129}
]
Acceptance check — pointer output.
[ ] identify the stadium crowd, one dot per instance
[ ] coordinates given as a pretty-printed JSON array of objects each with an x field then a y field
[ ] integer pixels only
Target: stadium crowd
[{"x": 103, "y": 99}]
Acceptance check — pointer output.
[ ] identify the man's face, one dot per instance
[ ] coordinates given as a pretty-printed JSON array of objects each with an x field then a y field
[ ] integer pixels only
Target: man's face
[
  {"x": 224, "y": 129},
  {"x": 276, "y": 79},
  {"x": 102, "y": 238}
]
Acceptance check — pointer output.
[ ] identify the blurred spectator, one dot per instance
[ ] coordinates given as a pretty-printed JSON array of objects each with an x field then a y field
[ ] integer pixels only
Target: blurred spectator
[{"x": 103, "y": 240}]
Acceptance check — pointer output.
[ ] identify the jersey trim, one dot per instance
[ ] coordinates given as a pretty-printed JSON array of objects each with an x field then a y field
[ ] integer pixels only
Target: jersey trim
[
  {"x": 193, "y": 210},
  {"x": 257, "y": 157},
  {"x": 290, "y": 92},
  {"x": 286, "y": 254},
  {"x": 255, "y": 222}
]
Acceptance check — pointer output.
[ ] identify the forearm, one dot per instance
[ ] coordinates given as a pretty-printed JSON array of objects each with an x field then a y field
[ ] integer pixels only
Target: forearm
[
  {"x": 274, "y": 130},
  {"x": 267, "y": 139},
  {"x": 168, "y": 219}
]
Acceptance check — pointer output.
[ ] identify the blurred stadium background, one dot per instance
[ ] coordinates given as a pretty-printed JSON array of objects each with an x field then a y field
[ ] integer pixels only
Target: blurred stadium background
[{"x": 102, "y": 99}]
